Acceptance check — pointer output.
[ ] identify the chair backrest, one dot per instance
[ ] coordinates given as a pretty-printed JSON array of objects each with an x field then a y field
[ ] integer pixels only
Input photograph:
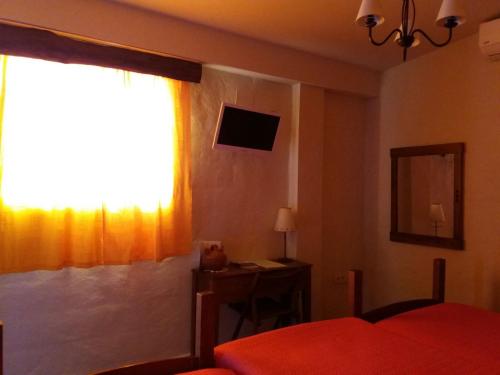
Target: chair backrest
[{"x": 275, "y": 283}]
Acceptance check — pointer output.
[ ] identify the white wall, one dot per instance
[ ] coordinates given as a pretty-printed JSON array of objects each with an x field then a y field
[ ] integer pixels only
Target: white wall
[
  {"x": 343, "y": 203},
  {"x": 74, "y": 321},
  {"x": 237, "y": 193},
  {"x": 309, "y": 111},
  {"x": 450, "y": 95}
]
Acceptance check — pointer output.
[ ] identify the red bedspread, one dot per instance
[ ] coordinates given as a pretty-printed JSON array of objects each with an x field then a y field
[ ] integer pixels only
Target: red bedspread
[
  {"x": 464, "y": 330},
  {"x": 209, "y": 371},
  {"x": 340, "y": 346}
]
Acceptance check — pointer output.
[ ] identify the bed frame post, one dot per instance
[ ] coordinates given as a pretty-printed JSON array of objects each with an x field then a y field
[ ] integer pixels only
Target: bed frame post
[
  {"x": 1, "y": 348},
  {"x": 438, "y": 279},
  {"x": 207, "y": 326},
  {"x": 355, "y": 292}
]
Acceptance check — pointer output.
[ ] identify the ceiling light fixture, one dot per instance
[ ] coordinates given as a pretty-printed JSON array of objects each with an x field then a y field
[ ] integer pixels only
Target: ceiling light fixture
[{"x": 370, "y": 15}]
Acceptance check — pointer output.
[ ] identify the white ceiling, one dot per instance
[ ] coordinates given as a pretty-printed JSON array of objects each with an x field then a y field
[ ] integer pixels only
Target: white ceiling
[{"x": 323, "y": 27}]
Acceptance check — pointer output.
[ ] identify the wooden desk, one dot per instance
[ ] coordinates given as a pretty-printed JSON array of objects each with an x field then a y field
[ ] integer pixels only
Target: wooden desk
[{"x": 233, "y": 285}]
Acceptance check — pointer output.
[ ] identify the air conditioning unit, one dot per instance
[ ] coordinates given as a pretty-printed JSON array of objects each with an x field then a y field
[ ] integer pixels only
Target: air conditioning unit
[{"x": 489, "y": 39}]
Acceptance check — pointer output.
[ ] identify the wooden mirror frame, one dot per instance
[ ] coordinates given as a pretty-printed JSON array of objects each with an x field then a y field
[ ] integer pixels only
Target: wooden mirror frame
[{"x": 457, "y": 242}]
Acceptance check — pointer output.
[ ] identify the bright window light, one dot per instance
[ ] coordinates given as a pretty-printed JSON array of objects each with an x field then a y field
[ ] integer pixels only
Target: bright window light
[{"x": 85, "y": 137}]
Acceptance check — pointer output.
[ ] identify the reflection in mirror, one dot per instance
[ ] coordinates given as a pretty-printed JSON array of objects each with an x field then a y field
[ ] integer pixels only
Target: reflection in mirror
[{"x": 425, "y": 195}]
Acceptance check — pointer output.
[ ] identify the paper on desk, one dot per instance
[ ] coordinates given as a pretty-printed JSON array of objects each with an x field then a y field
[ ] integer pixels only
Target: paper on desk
[{"x": 264, "y": 263}]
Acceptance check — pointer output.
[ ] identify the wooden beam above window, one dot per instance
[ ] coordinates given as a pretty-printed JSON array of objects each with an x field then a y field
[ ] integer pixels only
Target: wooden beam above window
[{"x": 47, "y": 45}]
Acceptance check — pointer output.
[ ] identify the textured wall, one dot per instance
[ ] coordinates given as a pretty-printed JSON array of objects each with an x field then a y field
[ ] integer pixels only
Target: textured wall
[
  {"x": 237, "y": 193},
  {"x": 450, "y": 95},
  {"x": 74, "y": 321}
]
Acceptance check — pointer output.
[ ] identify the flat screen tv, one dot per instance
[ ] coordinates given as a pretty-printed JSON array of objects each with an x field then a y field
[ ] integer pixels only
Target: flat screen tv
[{"x": 240, "y": 127}]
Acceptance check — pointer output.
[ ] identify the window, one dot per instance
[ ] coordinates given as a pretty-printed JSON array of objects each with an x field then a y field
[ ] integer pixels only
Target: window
[{"x": 94, "y": 166}]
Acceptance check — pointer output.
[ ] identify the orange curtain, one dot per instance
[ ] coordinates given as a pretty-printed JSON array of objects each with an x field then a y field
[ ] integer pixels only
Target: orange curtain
[{"x": 96, "y": 190}]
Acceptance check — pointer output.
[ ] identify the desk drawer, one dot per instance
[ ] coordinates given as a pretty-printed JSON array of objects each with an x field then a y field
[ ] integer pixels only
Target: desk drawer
[{"x": 228, "y": 289}]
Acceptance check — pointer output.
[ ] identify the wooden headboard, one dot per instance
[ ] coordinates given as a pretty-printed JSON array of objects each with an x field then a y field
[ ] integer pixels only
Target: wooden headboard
[
  {"x": 1, "y": 348},
  {"x": 355, "y": 290}
]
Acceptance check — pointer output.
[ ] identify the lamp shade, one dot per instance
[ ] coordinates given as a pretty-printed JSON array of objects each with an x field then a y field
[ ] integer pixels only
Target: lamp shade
[
  {"x": 369, "y": 12},
  {"x": 436, "y": 213},
  {"x": 451, "y": 10},
  {"x": 284, "y": 221}
]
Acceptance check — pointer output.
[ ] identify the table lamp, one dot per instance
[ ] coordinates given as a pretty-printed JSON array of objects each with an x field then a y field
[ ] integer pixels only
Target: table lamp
[
  {"x": 436, "y": 215},
  {"x": 284, "y": 223}
]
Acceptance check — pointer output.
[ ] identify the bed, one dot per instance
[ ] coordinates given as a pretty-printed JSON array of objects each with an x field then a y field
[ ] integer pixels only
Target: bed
[
  {"x": 424, "y": 336},
  {"x": 420, "y": 336},
  {"x": 340, "y": 346},
  {"x": 463, "y": 330}
]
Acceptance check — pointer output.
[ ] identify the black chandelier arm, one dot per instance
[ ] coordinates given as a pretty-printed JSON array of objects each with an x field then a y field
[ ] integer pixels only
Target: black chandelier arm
[
  {"x": 414, "y": 15},
  {"x": 404, "y": 15},
  {"x": 450, "y": 34},
  {"x": 370, "y": 36}
]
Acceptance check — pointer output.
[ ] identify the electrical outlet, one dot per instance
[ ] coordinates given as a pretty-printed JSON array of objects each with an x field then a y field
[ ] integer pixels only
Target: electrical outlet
[{"x": 340, "y": 278}]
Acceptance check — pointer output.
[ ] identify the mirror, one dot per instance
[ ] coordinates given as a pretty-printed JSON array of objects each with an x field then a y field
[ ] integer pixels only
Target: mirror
[{"x": 426, "y": 195}]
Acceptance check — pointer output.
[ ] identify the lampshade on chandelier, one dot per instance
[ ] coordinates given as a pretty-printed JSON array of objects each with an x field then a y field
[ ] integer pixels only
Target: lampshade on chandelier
[{"x": 370, "y": 15}]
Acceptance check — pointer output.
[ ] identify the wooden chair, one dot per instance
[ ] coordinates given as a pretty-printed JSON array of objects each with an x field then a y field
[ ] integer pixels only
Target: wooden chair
[{"x": 274, "y": 294}]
